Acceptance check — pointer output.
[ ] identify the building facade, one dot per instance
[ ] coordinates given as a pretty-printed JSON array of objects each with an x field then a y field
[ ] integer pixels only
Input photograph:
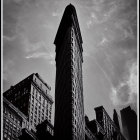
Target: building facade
[
  {"x": 13, "y": 121},
  {"x": 32, "y": 97},
  {"x": 69, "y": 104}
]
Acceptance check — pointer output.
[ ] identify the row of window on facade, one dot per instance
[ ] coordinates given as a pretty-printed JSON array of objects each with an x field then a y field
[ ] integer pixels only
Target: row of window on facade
[
  {"x": 11, "y": 131},
  {"x": 37, "y": 94},
  {"x": 78, "y": 125},
  {"x": 43, "y": 102},
  {"x": 36, "y": 106},
  {"x": 11, "y": 116},
  {"x": 38, "y": 118}
]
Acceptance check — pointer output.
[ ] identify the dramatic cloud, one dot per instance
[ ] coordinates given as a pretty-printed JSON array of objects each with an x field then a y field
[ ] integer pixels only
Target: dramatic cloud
[{"x": 126, "y": 92}]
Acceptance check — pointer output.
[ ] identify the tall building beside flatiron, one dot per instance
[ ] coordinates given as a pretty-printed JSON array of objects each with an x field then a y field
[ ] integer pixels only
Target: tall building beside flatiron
[
  {"x": 32, "y": 97},
  {"x": 69, "y": 104}
]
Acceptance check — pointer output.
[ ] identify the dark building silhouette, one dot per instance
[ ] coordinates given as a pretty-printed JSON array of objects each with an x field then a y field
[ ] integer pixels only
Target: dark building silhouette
[
  {"x": 45, "y": 130},
  {"x": 109, "y": 126},
  {"x": 69, "y": 104},
  {"x": 116, "y": 119},
  {"x": 95, "y": 128},
  {"x": 32, "y": 97},
  {"x": 88, "y": 134},
  {"x": 27, "y": 135},
  {"x": 129, "y": 123}
]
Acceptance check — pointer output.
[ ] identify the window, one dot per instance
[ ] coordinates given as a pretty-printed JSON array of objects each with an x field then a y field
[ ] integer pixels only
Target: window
[
  {"x": 35, "y": 111},
  {"x": 18, "y": 122},
  {"x": 36, "y": 93},
  {"x": 33, "y": 90},
  {"x": 38, "y": 120},
  {"x": 42, "y": 118},
  {"x": 39, "y": 105},
  {"x": 42, "y": 109},
  {"x": 32, "y": 117},
  {"x": 43, "y": 101},
  {"x": 9, "y": 114},
  {"x": 14, "y": 126},
  {"x": 47, "y": 112},
  {"x": 9, "y": 133},
  {"x": 75, "y": 129},
  {"x": 40, "y": 97},
  {"x": 5, "y": 110},
  {"x": 12, "y": 117},
  {"x": 5, "y": 135}
]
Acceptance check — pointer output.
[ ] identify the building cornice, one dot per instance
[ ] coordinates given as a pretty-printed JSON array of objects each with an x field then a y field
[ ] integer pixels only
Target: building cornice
[
  {"x": 39, "y": 77},
  {"x": 43, "y": 92}
]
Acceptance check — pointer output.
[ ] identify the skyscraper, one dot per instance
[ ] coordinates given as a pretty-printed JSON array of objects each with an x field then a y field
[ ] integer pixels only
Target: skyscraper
[
  {"x": 69, "y": 104},
  {"x": 129, "y": 123},
  {"x": 32, "y": 97}
]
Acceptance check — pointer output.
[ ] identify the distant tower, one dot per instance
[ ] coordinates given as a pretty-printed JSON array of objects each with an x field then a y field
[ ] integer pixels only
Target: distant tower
[
  {"x": 115, "y": 119},
  {"x": 129, "y": 123},
  {"x": 69, "y": 104}
]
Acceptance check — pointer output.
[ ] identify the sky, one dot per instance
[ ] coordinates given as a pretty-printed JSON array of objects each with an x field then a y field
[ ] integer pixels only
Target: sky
[{"x": 109, "y": 32}]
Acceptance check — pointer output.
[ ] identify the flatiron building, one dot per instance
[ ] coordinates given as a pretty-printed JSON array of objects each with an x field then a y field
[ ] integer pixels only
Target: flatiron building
[{"x": 69, "y": 104}]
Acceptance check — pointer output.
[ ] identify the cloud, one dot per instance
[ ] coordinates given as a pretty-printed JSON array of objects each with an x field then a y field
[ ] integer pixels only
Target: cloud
[
  {"x": 89, "y": 23},
  {"x": 56, "y": 14},
  {"x": 103, "y": 41},
  {"x": 32, "y": 47},
  {"x": 47, "y": 56},
  {"x": 126, "y": 92},
  {"x": 125, "y": 28},
  {"x": 7, "y": 38},
  {"x": 7, "y": 69}
]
